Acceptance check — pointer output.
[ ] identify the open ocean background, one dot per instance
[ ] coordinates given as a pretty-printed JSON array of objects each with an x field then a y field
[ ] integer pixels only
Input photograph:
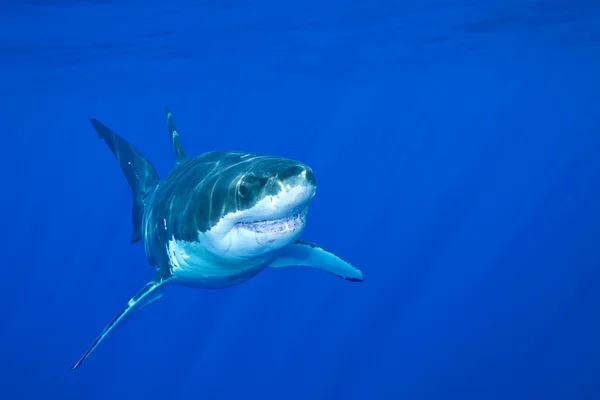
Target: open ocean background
[{"x": 455, "y": 144}]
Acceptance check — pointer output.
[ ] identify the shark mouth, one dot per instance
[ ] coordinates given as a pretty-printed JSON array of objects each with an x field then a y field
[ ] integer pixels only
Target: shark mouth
[{"x": 282, "y": 225}]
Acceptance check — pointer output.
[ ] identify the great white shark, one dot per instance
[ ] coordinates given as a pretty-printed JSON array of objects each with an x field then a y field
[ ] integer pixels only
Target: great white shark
[{"x": 216, "y": 219}]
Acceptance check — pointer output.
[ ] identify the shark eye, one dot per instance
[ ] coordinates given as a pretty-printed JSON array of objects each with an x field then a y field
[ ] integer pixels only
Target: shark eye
[{"x": 242, "y": 189}]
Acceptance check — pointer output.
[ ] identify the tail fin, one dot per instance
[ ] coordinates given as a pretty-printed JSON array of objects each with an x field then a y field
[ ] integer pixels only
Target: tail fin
[
  {"x": 140, "y": 173},
  {"x": 174, "y": 136}
]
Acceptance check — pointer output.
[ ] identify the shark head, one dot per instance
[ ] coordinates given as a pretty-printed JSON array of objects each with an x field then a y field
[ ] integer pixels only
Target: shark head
[{"x": 264, "y": 203}]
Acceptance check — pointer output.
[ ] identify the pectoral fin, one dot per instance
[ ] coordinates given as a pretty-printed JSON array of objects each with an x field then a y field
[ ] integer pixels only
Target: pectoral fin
[
  {"x": 152, "y": 291},
  {"x": 306, "y": 254}
]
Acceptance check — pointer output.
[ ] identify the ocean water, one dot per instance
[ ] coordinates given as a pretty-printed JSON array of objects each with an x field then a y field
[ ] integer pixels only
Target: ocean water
[{"x": 455, "y": 145}]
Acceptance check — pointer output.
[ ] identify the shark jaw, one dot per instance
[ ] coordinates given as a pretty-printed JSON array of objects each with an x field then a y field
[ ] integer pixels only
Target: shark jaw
[{"x": 286, "y": 224}]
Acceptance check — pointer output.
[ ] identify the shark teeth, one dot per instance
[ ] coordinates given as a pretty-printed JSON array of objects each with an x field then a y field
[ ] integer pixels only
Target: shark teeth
[{"x": 282, "y": 225}]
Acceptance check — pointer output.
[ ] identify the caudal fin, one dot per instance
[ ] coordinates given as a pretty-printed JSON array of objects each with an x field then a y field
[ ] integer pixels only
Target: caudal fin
[
  {"x": 174, "y": 136},
  {"x": 140, "y": 173}
]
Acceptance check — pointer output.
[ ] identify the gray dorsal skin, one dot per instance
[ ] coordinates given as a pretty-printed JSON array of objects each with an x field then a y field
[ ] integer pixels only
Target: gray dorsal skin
[
  {"x": 216, "y": 220},
  {"x": 174, "y": 136},
  {"x": 140, "y": 173}
]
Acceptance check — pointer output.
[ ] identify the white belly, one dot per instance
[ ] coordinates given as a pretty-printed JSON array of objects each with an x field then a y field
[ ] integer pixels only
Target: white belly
[{"x": 192, "y": 265}]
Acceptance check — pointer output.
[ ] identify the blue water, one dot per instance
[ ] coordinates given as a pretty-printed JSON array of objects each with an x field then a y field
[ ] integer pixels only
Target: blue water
[{"x": 455, "y": 144}]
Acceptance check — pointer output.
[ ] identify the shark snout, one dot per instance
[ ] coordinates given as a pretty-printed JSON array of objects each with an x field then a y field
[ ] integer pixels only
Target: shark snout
[{"x": 298, "y": 175}]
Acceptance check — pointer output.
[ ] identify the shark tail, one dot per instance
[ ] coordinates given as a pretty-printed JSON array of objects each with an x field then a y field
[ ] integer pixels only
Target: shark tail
[{"x": 140, "y": 173}]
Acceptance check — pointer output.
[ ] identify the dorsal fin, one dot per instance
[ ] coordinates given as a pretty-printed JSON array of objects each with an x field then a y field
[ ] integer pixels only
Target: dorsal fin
[
  {"x": 140, "y": 173},
  {"x": 174, "y": 136}
]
